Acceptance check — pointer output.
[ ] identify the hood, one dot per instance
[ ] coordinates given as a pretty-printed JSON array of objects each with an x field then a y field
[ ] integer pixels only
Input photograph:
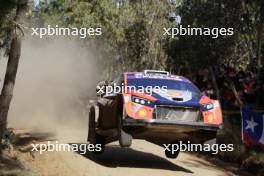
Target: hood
[{"x": 177, "y": 98}]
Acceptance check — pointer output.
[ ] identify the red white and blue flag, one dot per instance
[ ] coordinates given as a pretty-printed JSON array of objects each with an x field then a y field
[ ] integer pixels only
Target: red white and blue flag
[{"x": 252, "y": 128}]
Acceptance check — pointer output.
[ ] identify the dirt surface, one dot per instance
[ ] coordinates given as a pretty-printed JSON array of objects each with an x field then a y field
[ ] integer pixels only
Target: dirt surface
[{"x": 142, "y": 159}]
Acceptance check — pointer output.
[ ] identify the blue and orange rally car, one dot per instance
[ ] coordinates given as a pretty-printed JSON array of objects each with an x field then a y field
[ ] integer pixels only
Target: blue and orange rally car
[{"x": 152, "y": 105}]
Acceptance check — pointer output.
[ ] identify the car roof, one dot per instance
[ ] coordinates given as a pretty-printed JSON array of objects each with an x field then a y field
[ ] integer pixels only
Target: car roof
[{"x": 143, "y": 75}]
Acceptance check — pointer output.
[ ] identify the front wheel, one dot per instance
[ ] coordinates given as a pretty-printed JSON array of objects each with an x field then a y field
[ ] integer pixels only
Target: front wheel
[
  {"x": 125, "y": 139},
  {"x": 171, "y": 153},
  {"x": 93, "y": 137}
]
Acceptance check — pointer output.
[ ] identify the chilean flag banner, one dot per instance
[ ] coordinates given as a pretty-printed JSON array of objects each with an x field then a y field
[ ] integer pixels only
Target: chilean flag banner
[{"x": 252, "y": 128}]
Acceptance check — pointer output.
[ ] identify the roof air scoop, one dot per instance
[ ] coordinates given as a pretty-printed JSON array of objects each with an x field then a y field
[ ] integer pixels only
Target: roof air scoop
[{"x": 158, "y": 72}]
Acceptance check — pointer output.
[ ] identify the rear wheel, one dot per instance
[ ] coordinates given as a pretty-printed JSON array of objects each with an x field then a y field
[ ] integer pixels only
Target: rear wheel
[{"x": 93, "y": 137}]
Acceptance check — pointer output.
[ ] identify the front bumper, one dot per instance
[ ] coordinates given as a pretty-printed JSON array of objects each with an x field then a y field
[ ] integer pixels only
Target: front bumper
[{"x": 165, "y": 124}]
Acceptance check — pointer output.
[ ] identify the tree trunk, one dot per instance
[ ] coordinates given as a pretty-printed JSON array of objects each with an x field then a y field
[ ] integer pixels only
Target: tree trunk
[
  {"x": 217, "y": 91},
  {"x": 11, "y": 70},
  {"x": 259, "y": 40}
]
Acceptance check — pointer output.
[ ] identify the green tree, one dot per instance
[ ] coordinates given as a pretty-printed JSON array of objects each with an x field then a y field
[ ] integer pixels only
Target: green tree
[
  {"x": 132, "y": 32},
  {"x": 13, "y": 30}
]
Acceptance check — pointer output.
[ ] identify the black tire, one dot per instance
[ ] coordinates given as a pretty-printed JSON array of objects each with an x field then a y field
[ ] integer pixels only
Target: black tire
[
  {"x": 93, "y": 137},
  {"x": 125, "y": 139},
  {"x": 172, "y": 154}
]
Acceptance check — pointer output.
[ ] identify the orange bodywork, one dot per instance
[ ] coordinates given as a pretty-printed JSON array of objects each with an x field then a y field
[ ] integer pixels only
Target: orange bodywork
[
  {"x": 135, "y": 110},
  {"x": 213, "y": 116},
  {"x": 138, "y": 111}
]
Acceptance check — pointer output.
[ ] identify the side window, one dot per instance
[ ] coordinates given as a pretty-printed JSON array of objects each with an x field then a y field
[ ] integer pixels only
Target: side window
[{"x": 118, "y": 81}]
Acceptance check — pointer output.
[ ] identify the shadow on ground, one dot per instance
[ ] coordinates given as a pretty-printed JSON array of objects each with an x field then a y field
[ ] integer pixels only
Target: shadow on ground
[
  {"x": 115, "y": 156},
  {"x": 231, "y": 168}
]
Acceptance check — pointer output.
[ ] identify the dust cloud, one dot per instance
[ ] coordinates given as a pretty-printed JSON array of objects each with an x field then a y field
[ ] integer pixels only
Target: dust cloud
[{"x": 54, "y": 82}]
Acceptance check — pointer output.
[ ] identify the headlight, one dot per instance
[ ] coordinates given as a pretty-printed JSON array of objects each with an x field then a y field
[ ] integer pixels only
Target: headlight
[
  {"x": 140, "y": 100},
  {"x": 208, "y": 106}
]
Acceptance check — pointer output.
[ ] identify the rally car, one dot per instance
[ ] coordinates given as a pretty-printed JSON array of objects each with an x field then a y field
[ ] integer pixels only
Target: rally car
[{"x": 155, "y": 106}]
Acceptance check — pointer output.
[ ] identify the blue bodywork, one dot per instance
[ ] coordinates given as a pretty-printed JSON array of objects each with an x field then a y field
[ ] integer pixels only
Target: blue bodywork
[{"x": 173, "y": 83}]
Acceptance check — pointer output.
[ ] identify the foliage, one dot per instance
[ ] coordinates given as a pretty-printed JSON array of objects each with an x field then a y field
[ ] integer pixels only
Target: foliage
[
  {"x": 238, "y": 50},
  {"x": 7, "y": 12},
  {"x": 130, "y": 32}
]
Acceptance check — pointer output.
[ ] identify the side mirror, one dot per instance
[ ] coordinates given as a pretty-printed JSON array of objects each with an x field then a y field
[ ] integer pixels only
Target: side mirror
[
  {"x": 101, "y": 88},
  {"x": 111, "y": 96}
]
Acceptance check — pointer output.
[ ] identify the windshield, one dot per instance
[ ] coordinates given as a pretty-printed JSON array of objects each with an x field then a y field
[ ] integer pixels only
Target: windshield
[{"x": 170, "y": 84}]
